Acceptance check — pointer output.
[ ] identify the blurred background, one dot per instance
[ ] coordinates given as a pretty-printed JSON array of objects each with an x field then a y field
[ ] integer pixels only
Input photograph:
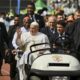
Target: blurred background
[{"x": 19, "y": 6}]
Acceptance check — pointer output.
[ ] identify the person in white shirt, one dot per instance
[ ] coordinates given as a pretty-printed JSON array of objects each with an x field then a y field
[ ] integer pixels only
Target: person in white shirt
[
  {"x": 27, "y": 39},
  {"x": 25, "y": 28},
  {"x": 32, "y": 37}
]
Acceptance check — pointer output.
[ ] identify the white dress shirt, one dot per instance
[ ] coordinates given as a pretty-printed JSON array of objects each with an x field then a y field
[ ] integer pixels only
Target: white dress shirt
[{"x": 23, "y": 29}]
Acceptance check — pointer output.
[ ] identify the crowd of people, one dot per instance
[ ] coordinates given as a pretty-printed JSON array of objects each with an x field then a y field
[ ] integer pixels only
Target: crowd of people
[{"x": 61, "y": 31}]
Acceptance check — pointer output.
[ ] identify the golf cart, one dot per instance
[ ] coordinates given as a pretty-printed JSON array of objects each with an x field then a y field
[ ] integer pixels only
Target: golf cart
[{"x": 53, "y": 66}]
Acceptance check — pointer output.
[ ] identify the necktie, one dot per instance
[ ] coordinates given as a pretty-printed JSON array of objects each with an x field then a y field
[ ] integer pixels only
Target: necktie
[{"x": 52, "y": 30}]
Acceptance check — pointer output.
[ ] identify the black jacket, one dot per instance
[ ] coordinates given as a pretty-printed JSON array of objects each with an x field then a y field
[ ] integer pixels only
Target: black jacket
[
  {"x": 63, "y": 41},
  {"x": 12, "y": 30},
  {"x": 49, "y": 33},
  {"x": 3, "y": 36},
  {"x": 76, "y": 33}
]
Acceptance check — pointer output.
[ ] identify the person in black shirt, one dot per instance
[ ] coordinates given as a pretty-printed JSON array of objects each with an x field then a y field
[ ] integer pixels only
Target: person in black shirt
[
  {"x": 34, "y": 17},
  {"x": 3, "y": 39},
  {"x": 12, "y": 30},
  {"x": 50, "y": 30},
  {"x": 62, "y": 41}
]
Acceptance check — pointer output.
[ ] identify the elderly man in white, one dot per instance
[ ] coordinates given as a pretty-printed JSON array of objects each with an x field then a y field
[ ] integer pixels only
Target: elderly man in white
[{"x": 26, "y": 40}]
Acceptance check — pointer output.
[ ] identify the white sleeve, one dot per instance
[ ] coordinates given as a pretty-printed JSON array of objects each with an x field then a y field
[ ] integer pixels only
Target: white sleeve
[
  {"x": 14, "y": 41},
  {"x": 45, "y": 39},
  {"x": 24, "y": 38}
]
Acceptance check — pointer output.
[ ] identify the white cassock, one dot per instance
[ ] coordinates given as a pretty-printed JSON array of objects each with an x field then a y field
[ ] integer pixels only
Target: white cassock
[{"x": 27, "y": 39}]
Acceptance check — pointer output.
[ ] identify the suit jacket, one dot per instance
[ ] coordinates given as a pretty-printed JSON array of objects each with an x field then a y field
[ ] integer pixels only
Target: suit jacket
[
  {"x": 12, "y": 30},
  {"x": 76, "y": 33},
  {"x": 3, "y": 35},
  {"x": 63, "y": 41},
  {"x": 49, "y": 33}
]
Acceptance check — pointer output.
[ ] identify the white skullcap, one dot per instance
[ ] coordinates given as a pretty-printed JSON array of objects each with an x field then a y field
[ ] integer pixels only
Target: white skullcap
[{"x": 34, "y": 24}]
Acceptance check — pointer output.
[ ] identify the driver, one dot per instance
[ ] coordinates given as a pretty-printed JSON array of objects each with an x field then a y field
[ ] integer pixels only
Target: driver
[{"x": 62, "y": 40}]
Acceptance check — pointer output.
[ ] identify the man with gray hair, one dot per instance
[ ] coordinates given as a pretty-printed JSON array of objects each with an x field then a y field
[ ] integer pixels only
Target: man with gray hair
[
  {"x": 50, "y": 30},
  {"x": 30, "y": 38}
]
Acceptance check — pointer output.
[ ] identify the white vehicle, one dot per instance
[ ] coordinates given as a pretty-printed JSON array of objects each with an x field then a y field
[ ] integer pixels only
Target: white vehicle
[{"x": 55, "y": 67}]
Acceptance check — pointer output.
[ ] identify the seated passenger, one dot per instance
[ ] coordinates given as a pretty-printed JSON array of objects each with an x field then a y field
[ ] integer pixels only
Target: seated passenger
[
  {"x": 26, "y": 40},
  {"x": 32, "y": 37},
  {"x": 62, "y": 39}
]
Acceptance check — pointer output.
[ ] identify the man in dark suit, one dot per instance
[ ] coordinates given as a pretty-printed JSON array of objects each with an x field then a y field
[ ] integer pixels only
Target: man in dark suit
[
  {"x": 62, "y": 40},
  {"x": 12, "y": 30},
  {"x": 33, "y": 16},
  {"x": 50, "y": 29},
  {"x": 3, "y": 39}
]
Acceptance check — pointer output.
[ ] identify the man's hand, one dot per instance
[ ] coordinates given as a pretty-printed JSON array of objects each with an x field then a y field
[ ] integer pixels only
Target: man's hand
[
  {"x": 14, "y": 51},
  {"x": 6, "y": 51},
  {"x": 19, "y": 32}
]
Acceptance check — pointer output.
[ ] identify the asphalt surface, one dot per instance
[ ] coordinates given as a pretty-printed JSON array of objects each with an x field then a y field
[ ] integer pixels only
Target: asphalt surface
[{"x": 5, "y": 72}]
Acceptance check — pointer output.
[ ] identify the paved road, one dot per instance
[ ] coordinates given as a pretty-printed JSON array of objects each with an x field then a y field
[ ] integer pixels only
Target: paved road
[{"x": 5, "y": 72}]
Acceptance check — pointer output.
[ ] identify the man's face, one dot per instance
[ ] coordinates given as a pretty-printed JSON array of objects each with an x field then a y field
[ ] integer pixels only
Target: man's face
[
  {"x": 16, "y": 20},
  {"x": 59, "y": 17},
  {"x": 51, "y": 22},
  {"x": 33, "y": 30},
  {"x": 26, "y": 23},
  {"x": 70, "y": 19},
  {"x": 60, "y": 28},
  {"x": 30, "y": 9},
  {"x": 76, "y": 15}
]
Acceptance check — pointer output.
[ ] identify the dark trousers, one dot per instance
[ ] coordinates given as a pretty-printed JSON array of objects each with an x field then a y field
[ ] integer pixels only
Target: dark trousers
[
  {"x": 13, "y": 69},
  {"x": 2, "y": 53},
  {"x": 1, "y": 61}
]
